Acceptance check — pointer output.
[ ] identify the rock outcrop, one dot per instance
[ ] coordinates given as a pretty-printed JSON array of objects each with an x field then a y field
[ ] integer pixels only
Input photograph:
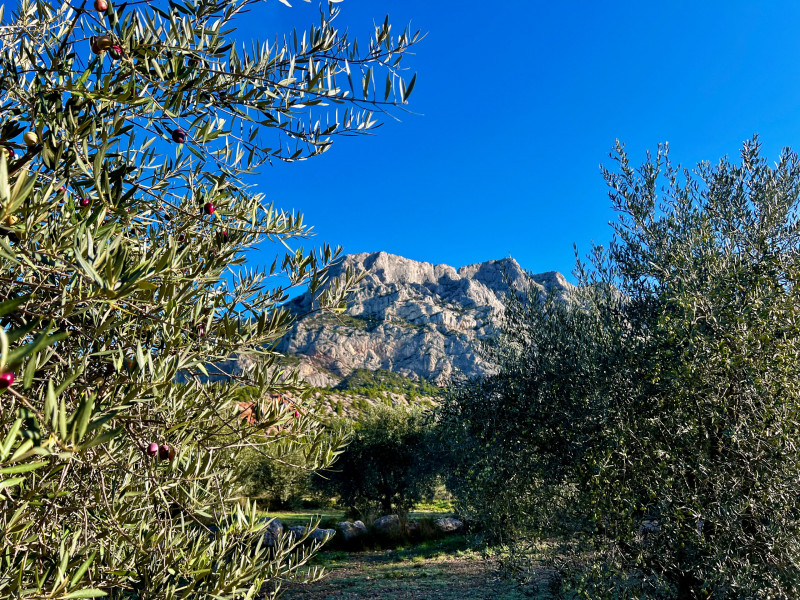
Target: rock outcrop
[{"x": 413, "y": 318}]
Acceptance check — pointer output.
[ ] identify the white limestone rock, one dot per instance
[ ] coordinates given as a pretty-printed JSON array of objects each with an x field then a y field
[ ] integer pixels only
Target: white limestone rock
[{"x": 410, "y": 317}]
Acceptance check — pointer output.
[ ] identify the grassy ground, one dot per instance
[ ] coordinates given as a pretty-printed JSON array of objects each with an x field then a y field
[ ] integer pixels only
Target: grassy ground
[
  {"x": 447, "y": 569},
  {"x": 334, "y": 516},
  {"x": 435, "y": 510},
  {"x": 290, "y": 518}
]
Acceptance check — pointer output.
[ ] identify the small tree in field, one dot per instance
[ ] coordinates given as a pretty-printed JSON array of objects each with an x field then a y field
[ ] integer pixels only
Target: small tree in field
[
  {"x": 128, "y": 132},
  {"x": 651, "y": 424},
  {"x": 389, "y": 464}
]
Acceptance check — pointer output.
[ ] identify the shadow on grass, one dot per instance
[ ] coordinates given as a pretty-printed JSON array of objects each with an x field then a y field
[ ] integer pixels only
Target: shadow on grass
[
  {"x": 444, "y": 569},
  {"x": 457, "y": 546}
]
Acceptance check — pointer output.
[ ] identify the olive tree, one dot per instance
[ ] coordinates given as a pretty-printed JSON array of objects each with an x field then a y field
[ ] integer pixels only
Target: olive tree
[
  {"x": 514, "y": 437},
  {"x": 130, "y": 134},
  {"x": 651, "y": 422},
  {"x": 389, "y": 464}
]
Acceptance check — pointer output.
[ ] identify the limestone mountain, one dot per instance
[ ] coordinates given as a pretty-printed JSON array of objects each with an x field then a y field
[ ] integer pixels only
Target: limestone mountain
[{"x": 413, "y": 318}]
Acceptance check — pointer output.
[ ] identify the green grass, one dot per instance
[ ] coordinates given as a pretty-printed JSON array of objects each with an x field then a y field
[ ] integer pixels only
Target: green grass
[
  {"x": 291, "y": 518},
  {"x": 434, "y": 507},
  {"x": 445, "y": 569},
  {"x": 430, "y": 510}
]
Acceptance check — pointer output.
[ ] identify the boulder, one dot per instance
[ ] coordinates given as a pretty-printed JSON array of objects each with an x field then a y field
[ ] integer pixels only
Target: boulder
[
  {"x": 273, "y": 533},
  {"x": 322, "y": 535},
  {"x": 351, "y": 531},
  {"x": 316, "y": 535},
  {"x": 449, "y": 525},
  {"x": 389, "y": 524}
]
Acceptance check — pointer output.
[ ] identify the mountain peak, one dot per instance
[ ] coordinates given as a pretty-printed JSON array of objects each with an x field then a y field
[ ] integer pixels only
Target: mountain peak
[{"x": 411, "y": 317}]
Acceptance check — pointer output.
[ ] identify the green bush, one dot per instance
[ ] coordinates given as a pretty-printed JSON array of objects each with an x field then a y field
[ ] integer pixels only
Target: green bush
[
  {"x": 650, "y": 423},
  {"x": 278, "y": 485},
  {"x": 514, "y": 438}
]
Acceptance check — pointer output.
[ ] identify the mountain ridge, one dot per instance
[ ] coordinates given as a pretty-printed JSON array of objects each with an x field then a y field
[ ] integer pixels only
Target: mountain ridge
[{"x": 415, "y": 318}]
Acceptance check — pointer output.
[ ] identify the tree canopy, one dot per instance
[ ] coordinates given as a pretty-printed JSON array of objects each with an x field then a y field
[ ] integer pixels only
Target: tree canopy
[{"x": 389, "y": 465}]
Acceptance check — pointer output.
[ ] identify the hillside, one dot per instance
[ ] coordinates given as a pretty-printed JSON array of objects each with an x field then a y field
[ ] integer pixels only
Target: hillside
[{"x": 363, "y": 388}]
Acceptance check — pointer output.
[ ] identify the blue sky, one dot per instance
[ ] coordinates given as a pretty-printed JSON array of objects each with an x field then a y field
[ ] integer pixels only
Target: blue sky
[{"x": 520, "y": 102}]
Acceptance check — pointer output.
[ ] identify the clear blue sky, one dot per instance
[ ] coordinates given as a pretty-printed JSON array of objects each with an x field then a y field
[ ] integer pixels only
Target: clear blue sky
[{"x": 521, "y": 101}]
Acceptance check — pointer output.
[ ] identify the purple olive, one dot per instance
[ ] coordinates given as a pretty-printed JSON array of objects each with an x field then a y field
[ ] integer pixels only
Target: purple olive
[
  {"x": 179, "y": 136},
  {"x": 6, "y": 380}
]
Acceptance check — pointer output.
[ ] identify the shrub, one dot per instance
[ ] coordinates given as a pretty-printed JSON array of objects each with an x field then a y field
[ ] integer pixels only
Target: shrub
[
  {"x": 278, "y": 485},
  {"x": 373, "y": 383}
]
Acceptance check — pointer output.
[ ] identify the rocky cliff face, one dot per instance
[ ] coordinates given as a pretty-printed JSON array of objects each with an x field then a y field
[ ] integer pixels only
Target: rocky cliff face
[{"x": 409, "y": 317}]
